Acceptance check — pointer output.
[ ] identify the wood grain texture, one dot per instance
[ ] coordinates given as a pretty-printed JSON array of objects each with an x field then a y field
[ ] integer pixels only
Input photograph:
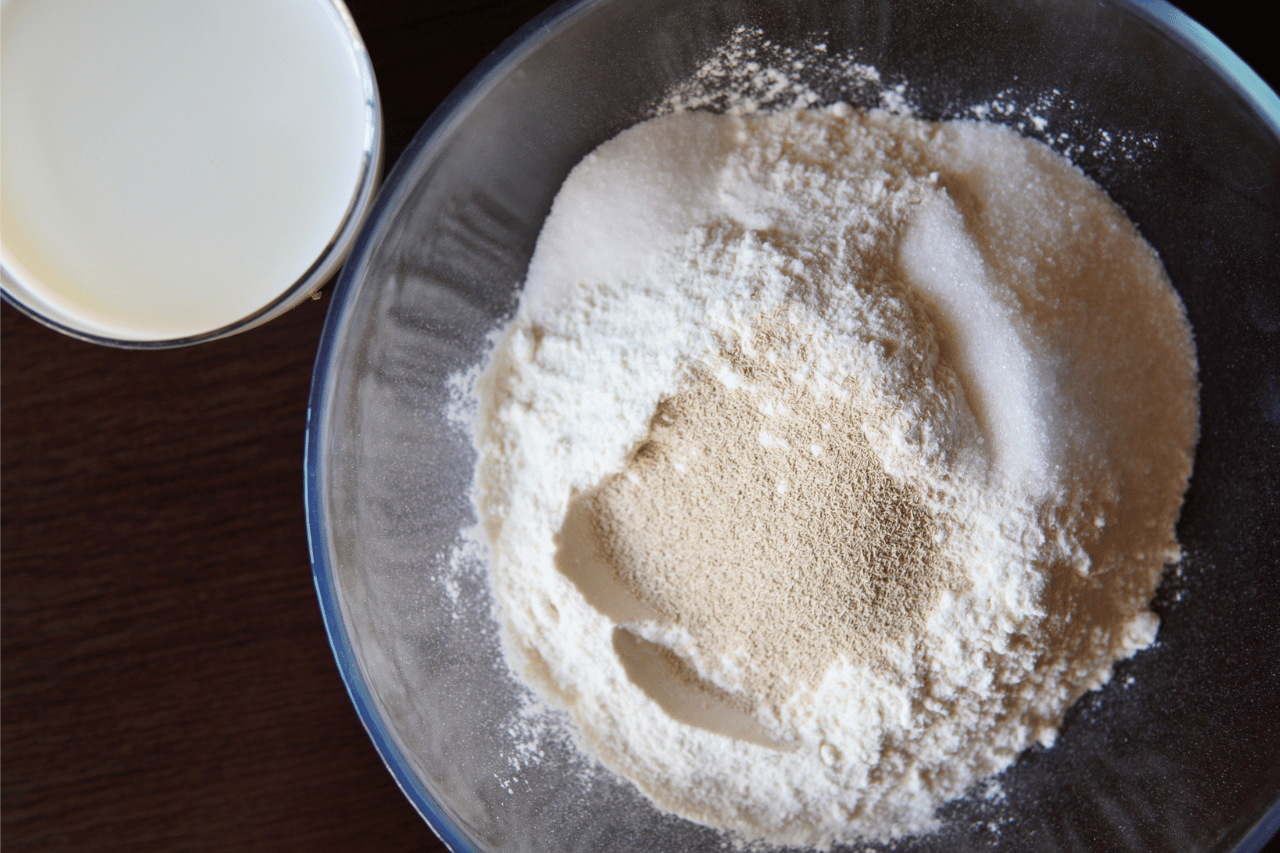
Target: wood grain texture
[{"x": 167, "y": 683}]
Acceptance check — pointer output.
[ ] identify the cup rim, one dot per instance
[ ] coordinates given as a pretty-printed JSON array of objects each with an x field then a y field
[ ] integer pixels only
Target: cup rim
[{"x": 14, "y": 276}]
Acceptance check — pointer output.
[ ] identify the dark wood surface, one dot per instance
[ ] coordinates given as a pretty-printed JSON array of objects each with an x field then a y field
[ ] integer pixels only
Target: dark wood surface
[{"x": 167, "y": 682}]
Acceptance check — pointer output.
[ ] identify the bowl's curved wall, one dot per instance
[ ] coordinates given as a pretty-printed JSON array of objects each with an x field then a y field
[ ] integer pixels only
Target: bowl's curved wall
[{"x": 1186, "y": 757}]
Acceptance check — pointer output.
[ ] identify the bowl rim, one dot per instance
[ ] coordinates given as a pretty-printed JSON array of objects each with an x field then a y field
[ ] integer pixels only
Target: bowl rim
[
  {"x": 1170, "y": 21},
  {"x": 526, "y": 39}
]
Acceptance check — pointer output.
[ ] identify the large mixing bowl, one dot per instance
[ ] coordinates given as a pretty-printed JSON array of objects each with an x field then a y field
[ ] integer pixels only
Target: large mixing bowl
[{"x": 1181, "y": 751}]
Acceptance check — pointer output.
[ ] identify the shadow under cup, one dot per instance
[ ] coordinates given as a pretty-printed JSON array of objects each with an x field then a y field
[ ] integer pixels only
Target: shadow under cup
[{"x": 1180, "y": 751}]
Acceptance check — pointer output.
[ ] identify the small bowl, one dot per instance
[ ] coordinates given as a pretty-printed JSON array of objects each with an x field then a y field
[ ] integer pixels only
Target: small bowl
[
  {"x": 209, "y": 194},
  {"x": 1180, "y": 751}
]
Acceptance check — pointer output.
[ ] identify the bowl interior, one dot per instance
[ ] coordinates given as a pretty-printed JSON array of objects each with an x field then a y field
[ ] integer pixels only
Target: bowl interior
[{"x": 1179, "y": 751}]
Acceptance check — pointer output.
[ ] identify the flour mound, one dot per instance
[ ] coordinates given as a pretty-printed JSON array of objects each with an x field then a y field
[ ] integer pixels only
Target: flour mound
[{"x": 830, "y": 457}]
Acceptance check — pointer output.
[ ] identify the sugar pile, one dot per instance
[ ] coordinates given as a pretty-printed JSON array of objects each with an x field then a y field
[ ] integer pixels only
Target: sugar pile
[{"x": 830, "y": 457}]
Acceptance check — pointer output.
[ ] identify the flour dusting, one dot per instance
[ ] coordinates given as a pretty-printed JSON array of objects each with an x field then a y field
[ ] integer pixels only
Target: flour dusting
[{"x": 831, "y": 455}]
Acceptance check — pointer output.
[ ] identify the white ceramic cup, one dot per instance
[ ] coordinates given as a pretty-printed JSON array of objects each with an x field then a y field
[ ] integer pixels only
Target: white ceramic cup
[{"x": 174, "y": 171}]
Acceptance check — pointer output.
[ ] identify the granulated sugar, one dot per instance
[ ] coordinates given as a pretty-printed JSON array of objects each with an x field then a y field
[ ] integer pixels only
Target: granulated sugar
[{"x": 830, "y": 457}]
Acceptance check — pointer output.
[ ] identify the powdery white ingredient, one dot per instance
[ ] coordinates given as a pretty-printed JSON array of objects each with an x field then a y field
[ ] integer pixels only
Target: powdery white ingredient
[{"x": 1016, "y": 359}]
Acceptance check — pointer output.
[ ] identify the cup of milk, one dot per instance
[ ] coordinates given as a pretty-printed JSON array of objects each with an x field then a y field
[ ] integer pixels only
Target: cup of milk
[{"x": 174, "y": 171}]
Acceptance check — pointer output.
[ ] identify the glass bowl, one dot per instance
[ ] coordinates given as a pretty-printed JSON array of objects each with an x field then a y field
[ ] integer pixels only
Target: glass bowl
[{"x": 1181, "y": 751}]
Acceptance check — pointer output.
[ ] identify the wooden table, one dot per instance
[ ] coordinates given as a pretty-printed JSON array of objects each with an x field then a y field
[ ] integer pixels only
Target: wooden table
[{"x": 167, "y": 682}]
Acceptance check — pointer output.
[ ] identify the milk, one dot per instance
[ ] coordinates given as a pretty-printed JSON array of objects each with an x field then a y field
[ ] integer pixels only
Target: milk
[{"x": 170, "y": 167}]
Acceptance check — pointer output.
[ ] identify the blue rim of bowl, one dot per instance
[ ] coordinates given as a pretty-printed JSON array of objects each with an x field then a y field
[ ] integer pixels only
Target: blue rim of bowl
[
  {"x": 523, "y": 41},
  {"x": 1169, "y": 20}
]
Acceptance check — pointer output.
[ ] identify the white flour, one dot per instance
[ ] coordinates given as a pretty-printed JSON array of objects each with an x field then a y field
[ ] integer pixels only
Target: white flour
[{"x": 719, "y": 304}]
